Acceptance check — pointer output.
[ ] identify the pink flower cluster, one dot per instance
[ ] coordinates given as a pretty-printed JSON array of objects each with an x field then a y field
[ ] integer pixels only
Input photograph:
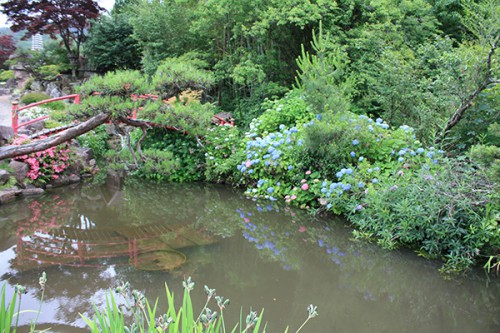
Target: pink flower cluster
[{"x": 46, "y": 164}]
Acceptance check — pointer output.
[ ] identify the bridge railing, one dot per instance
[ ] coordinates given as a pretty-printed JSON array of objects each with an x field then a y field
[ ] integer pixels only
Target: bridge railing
[{"x": 16, "y": 110}]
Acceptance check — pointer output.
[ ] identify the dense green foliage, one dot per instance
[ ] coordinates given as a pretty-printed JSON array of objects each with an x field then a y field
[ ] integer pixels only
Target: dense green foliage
[
  {"x": 384, "y": 111},
  {"x": 111, "y": 46}
]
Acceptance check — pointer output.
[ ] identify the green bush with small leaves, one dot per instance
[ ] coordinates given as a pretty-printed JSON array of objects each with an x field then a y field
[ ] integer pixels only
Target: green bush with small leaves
[{"x": 34, "y": 97}]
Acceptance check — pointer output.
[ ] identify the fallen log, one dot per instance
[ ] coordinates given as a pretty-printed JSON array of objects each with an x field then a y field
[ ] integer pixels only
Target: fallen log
[{"x": 42, "y": 144}]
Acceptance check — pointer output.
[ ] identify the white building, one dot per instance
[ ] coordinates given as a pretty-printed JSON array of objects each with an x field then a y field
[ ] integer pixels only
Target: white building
[{"x": 36, "y": 42}]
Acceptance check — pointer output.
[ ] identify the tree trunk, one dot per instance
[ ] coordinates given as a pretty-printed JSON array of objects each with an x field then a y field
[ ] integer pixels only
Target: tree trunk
[{"x": 39, "y": 145}]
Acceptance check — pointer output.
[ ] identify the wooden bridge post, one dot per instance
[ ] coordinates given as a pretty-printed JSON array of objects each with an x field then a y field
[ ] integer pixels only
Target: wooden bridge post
[{"x": 15, "y": 116}]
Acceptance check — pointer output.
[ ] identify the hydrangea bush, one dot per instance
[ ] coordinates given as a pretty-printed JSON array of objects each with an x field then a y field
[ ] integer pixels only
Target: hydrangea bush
[{"x": 391, "y": 187}]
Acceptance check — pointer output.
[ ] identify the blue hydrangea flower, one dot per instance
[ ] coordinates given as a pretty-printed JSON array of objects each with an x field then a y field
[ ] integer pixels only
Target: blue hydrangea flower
[
  {"x": 348, "y": 171},
  {"x": 282, "y": 127},
  {"x": 353, "y": 154},
  {"x": 355, "y": 142},
  {"x": 401, "y": 159},
  {"x": 260, "y": 182},
  {"x": 270, "y": 190},
  {"x": 374, "y": 180},
  {"x": 420, "y": 150},
  {"x": 290, "y": 167},
  {"x": 361, "y": 184}
]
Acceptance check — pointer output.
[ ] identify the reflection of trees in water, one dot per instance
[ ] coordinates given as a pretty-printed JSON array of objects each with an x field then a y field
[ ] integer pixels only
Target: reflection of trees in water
[
  {"x": 364, "y": 275},
  {"x": 322, "y": 260}
]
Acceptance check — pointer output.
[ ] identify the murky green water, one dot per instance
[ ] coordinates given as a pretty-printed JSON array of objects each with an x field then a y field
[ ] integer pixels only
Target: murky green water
[{"x": 258, "y": 254}]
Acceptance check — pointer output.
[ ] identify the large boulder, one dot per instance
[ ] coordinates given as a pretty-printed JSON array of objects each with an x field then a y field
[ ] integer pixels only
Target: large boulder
[
  {"x": 6, "y": 133},
  {"x": 82, "y": 163},
  {"x": 20, "y": 170},
  {"x": 4, "y": 177},
  {"x": 36, "y": 86},
  {"x": 53, "y": 90}
]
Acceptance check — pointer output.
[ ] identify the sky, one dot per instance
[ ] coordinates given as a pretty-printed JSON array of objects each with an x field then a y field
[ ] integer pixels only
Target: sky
[{"x": 108, "y": 4}]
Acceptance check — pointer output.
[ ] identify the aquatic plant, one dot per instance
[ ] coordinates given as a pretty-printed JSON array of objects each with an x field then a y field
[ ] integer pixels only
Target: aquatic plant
[
  {"x": 139, "y": 315},
  {"x": 8, "y": 311}
]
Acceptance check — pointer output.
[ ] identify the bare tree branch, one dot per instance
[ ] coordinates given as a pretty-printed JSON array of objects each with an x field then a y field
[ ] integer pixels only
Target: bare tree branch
[{"x": 469, "y": 101}]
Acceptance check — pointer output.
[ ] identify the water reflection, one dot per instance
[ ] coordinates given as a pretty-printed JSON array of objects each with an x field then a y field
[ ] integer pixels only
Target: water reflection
[
  {"x": 49, "y": 238},
  {"x": 259, "y": 254}
]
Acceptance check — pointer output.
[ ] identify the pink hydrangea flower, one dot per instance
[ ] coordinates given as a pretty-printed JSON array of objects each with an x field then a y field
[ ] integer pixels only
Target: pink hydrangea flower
[{"x": 305, "y": 187}]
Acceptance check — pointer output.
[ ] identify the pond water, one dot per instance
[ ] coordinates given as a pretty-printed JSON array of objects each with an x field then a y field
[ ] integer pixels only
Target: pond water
[{"x": 258, "y": 254}]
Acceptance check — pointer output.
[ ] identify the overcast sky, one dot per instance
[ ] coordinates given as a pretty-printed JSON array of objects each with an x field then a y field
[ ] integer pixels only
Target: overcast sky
[{"x": 108, "y": 4}]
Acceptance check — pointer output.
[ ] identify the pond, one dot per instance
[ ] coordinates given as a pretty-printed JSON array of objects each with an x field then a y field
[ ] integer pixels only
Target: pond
[{"x": 259, "y": 254}]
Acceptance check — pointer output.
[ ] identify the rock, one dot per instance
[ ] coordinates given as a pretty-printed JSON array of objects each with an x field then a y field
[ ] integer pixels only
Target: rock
[
  {"x": 6, "y": 133},
  {"x": 20, "y": 170},
  {"x": 61, "y": 181},
  {"x": 10, "y": 195},
  {"x": 81, "y": 163},
  {"x": 114, "y": 180},
  {"x": 85, "y": 154},
  {"x": 36, "y": 86},
  {"x": 32, "y": 191},
  {"x": 11, "y": 83},
  {"x": 36, "y": 127},
  {"x": 53, "y": 90},
  {"x": 74, "y": 179},
  {"x": 4, "y": 177}
]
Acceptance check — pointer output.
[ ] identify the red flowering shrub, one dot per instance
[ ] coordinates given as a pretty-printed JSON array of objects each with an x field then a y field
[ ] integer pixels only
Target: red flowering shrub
[{"x": 47, "y": 164}]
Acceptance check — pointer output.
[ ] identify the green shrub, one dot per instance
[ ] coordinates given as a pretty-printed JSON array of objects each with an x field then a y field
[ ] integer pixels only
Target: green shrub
[
  {"x": 222, "y": 153},
  {"x": 95, "y": 140},
  {"x": 6, "y": 75},
  {"x": 187, "y": 153},
  {"x": 34, "y": 97},
  {"x": 159, "y": 165},
  {"x": 49, "y": 72},
  {"x": 443, "y": 214},
  {"x": 343, "y": 140},
  {"x": 488, "y": 160},
  {"x": 291, "y": 110}
]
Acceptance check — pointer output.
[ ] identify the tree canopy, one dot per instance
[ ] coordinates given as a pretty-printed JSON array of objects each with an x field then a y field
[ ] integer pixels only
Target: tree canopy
[{"x": 67, "y": 19}]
